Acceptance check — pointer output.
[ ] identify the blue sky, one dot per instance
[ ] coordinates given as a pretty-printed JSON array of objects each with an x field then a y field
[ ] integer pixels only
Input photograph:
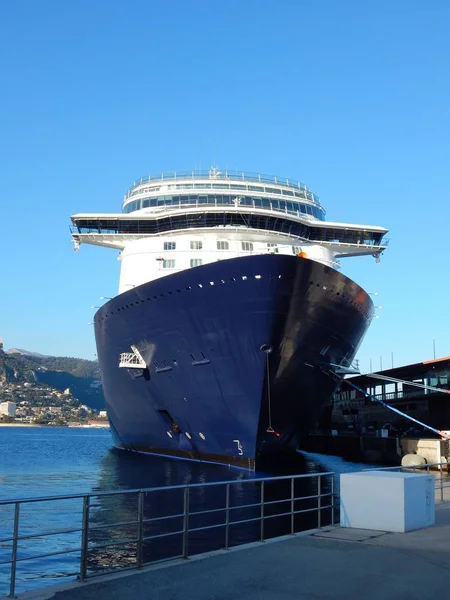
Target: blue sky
[{"x": 350, "y": 97}]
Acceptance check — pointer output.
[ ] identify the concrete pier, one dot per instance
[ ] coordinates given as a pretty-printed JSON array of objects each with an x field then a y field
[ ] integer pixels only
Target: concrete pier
[{"x": 329, "y": 563}]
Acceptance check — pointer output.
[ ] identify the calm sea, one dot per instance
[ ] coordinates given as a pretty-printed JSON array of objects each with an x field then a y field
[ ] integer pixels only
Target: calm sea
[{"x": 47, "y": 461}]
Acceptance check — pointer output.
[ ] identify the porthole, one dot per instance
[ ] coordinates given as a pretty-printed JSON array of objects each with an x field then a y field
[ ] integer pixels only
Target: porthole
[
  {"x": 202, "y": 436},
  {"x": 169, "y": 434},
  {"x": 244, "y": 277},
  {"x": 188, "y": 435},
  {"x": 257, "y": 276}
]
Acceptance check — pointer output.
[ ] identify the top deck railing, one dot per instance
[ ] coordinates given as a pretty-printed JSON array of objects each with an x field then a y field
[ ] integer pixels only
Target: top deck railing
[{"x": 216, "y": 175}]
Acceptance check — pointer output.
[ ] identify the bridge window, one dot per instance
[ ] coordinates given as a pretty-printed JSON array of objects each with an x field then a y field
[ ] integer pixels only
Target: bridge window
[
  {"x": 196, "y": 245},
  {"x": 222, "y": 245},
  {"x": 248, "y": 246},
  {"x": 296, "y": 250},
  {"x": 169, "y": 264},
  {"x": 170, "y": 245},
  {"x": 196, "y": 262},
  {"x": 272, "y": 248}
]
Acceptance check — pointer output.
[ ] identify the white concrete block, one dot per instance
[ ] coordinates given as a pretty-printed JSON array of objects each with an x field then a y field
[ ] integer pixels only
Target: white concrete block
[{"x": 387, "y": 500}]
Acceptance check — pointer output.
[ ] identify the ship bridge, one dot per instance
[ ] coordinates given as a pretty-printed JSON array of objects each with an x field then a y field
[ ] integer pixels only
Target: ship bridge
[{"x": 176, "y": 221}]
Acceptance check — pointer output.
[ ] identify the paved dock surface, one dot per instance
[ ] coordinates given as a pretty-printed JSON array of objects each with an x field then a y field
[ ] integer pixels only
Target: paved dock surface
[{"x": 331, "y": 563}]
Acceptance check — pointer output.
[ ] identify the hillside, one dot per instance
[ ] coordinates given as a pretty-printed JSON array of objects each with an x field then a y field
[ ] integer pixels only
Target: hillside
[
  {"x": 15, "y": 370},
  {"x": 60, "y": 372}
]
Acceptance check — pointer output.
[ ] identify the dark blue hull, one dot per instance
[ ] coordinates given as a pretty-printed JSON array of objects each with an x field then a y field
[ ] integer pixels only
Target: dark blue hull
[{"x": 237, "y": 354}]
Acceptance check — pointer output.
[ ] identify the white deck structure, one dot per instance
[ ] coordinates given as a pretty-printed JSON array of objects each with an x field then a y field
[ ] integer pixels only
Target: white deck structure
[{"x": 179, "y": 221}]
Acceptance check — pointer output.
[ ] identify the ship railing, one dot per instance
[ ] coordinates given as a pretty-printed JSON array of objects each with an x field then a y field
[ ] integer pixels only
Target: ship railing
[
  {"x": 123, "y": 530},
  {"x": 439, "y": 470},
  {"x": 225, "y": 176}
]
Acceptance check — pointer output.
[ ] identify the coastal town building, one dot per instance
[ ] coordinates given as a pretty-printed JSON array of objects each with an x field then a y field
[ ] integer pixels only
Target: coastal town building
[{"x": 8, "y": 408}]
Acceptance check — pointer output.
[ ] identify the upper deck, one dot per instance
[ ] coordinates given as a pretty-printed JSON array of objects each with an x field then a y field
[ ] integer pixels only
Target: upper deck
[
  {"x": 231, "y": 204},
  {"x": 213, "y": 187}
]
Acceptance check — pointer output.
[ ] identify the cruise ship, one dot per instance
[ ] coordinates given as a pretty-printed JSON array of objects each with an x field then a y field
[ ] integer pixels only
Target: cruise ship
[{"x": 233, "y": 324}]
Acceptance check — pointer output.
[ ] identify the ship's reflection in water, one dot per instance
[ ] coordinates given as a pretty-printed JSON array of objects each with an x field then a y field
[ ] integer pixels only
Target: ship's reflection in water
[{"x": 113, "y": 518}]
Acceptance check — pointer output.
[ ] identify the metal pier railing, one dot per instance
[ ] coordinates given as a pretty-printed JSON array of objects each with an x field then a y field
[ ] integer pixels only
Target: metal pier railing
[
  {"x": 440, "y": 471},
  {"x": 261, "y": 508}
]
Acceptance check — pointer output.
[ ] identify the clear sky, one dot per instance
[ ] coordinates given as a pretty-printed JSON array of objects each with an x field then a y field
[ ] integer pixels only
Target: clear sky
[{"x": 350, "y": 97}]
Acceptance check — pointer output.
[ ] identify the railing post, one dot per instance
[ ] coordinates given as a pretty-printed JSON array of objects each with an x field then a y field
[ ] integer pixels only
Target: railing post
[
  {"x": 442, "y": 485},
  {"x": 332, "y": 499},
  {"x": 292, "y": 505},
  {"x": 12, "y": 583},
  {"x": 186, "y": 523},
  {"x": 140, "y": 529},
  {"x": 319, "y": 498},
  {"x": 227, "y": 516},
  {"x": 84, "y": 538},
  {"x": 262, "y": 512}
]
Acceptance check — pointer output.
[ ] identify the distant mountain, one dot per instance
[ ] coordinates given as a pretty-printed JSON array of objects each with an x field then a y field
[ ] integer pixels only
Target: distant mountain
[
  {"x": 61, "y": 372},
  {"x": 24, "y": 352}
]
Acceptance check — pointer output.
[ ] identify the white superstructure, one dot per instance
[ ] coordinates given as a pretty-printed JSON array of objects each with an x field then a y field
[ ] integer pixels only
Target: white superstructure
[{"x": 180, "y": 221}]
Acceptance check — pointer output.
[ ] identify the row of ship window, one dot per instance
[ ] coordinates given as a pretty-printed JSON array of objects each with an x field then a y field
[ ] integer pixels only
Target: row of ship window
[
  {"x": 293, "y": 207},
  {"x": 224, "y": 245},
  {"x": 227, "y": 186},
  {"x": 196, "y": 262}
]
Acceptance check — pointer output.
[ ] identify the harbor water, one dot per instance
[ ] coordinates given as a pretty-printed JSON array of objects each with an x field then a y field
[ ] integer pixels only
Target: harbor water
[{"x": 48, "y": 461}]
